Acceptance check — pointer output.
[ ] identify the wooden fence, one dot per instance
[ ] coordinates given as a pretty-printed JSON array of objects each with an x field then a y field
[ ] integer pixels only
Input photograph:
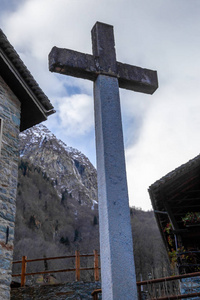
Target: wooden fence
[
  {"x": 164, "y": 280},
  {"x": 77, "y": 269},
  {"x": 167, "y": 296}
]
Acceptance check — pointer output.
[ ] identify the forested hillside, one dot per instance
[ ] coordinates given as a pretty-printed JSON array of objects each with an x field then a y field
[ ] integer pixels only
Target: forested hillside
[
  {"x": 151, "y": 258},
  {"x": 57, "y": 209}
]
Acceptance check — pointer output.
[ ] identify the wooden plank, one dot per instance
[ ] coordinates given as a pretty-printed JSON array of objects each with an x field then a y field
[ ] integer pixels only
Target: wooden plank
[
  {"x": 23, "y": 276},
  {"x": 139, "y": 292},
  {"x": 50, "y": 258},
  {"x": 48, "y": 272},
  {"x": 96, "y": 266},
  {"x": 87, "y": 269},
  {"x": 95, "y": 294},
  {"x": 53, "y": 271},
  {"x": 191, "y": 295},
  {"x": 17, "y": 262},
  {"x": 170, "y": 214},
  {"x": 170, "y": 278},
  {"x": 77, "y": 265},
  {"x": 16, "y": 275}
]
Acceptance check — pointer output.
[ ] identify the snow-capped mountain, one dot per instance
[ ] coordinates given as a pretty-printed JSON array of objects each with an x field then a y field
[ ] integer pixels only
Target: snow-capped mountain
[{"x": 70, "y": 171}]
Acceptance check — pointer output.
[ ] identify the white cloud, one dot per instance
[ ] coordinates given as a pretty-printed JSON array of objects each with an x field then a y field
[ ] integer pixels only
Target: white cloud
[
  {"x": 76, "y": 114},
  {"x": 161, "y": 131},
  {"x": 168, "y": 138}
]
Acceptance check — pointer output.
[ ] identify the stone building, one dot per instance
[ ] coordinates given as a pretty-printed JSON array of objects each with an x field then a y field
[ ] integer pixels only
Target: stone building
[{"x": 22, "y": 105}]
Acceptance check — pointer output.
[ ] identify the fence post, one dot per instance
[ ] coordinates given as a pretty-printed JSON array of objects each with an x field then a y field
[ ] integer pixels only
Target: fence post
[
  {"x": 23, "y": 273},
  {"x": 139, "y": 292},
  {"x": 77, "y": 263},
  {"x": 96, "y": 266}
]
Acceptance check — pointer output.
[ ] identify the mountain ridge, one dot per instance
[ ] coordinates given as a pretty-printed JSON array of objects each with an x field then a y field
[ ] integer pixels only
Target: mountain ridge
[{"x": 60, "y": 162}]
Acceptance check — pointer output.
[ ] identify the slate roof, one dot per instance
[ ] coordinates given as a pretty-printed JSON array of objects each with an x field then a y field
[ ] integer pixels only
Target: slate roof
[{"x": 35, "y": 105}]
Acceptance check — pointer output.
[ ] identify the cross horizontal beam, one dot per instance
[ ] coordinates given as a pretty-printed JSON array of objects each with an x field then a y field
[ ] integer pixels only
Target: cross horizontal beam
[{"x": 81, "y": 65}]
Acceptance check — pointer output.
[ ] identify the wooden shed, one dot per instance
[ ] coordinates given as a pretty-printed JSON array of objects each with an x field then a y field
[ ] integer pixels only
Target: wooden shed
[{"x": 176, "y": 202}]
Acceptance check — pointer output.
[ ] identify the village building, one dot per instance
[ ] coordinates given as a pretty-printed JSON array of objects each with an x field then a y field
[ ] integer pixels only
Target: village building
[
  {"x": 22, "y": 105},
  {"x": 176, "y": 202}
]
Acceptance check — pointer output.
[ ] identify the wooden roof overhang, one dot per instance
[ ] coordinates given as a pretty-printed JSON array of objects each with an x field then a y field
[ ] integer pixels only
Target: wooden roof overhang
[
  {"x": 173, "y": 196},
  {"x": 35, "y": 106}
]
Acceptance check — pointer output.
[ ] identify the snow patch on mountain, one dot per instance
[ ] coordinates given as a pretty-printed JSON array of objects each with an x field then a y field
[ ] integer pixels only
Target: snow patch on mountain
[{"x": 69, "y": 169}]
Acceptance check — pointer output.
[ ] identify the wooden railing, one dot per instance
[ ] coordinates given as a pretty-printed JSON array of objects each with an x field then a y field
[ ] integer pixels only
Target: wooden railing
[
  {"x": 95, "y": 293},
  {"x": 77, "y": 269},
  {"x": 166, "y": 279}
]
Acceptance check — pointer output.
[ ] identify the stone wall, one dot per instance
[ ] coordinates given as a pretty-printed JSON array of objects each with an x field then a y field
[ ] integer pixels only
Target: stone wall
[
  {"x": 74, "y": 290},
  {"x": 190, "y": 285},
  {"x": 10, "y": 114}
]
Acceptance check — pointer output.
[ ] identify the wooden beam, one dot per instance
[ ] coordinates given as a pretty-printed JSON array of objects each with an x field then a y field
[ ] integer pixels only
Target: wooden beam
[
  {"x": 96, "y": 266},
  {"x": 171, "y": 215},
  {"x": 23, "y": 273},
  {"x": 77, "y": 265}
]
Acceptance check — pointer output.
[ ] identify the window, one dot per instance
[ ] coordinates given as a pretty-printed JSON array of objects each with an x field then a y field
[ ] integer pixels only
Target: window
[{"x": 1, "y": 130}]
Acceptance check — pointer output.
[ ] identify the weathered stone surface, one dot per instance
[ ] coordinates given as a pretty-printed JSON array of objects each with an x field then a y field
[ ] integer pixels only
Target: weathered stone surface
[
  {"x": 103, "y": 47},
  {"x": 103, "y": 61},
  {"x": 190, "y": 285},
  {"x": 5, "y": 264},
  {"x": 10, "y": 114},
  {"x": 84, "y": 64},
  {"x": 75, "y": 291},
  {"x": 116, "y": 244}
]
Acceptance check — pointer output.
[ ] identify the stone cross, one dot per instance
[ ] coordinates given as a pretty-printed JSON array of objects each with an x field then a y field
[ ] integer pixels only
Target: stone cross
[{"x": 116, "y": 247}]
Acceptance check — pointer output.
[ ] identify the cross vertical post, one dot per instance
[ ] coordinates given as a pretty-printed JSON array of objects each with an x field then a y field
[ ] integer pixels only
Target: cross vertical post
[{"x": 116, "y": 246}]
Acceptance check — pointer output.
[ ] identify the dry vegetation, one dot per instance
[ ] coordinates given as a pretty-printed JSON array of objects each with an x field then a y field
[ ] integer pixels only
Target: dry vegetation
[{"x": 47, "y": 225}]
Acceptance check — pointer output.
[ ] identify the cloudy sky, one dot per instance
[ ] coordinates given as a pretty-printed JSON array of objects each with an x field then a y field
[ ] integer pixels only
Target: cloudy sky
[{"x": 161, "y": 131}]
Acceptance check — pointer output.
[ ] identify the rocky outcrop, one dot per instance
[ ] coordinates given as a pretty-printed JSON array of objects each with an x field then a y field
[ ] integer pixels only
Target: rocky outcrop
[{"x": 70, "y": 171}]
